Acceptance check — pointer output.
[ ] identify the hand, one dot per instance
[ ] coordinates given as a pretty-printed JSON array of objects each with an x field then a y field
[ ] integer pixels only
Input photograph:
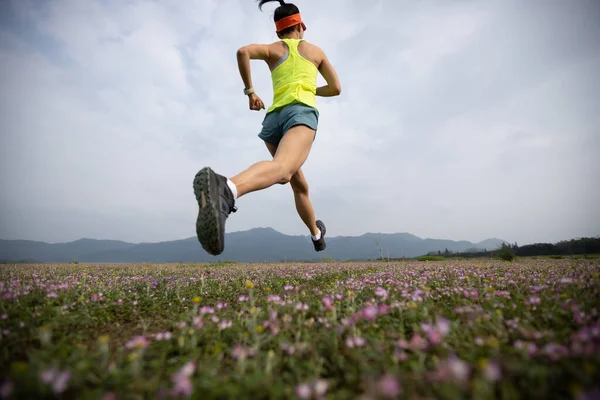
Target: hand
[{"x": 255, "y": 102}]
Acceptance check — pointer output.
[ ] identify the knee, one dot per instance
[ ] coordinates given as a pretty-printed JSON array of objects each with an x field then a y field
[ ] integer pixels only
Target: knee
[
  {"x": 299, "y": 186},
  {"x": 285, "y": 174},
  {"x": 285, "y": 178}
]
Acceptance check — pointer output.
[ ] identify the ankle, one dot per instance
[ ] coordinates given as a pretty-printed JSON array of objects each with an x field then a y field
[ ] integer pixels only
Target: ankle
[
  {"x": 233, "y": 188},
  {"x": 317, "y": 235}
]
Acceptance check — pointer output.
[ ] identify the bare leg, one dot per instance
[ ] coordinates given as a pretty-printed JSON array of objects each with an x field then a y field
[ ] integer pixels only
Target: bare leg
[
  {"x": 291, "y": 154},
  {"x": 300, "y": 188}
]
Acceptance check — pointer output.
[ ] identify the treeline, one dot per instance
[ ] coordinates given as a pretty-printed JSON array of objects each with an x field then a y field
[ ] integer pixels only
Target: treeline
[{"x": 571, "y": 247}]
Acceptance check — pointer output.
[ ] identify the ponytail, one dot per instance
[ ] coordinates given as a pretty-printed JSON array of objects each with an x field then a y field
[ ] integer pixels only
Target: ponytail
[
  {"x": 282, "y": 12},
  {"x": 261, "y": 2}
]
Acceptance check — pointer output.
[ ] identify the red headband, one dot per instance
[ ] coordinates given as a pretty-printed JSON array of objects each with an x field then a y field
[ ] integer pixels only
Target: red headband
[{"x": 288, "y": 21}]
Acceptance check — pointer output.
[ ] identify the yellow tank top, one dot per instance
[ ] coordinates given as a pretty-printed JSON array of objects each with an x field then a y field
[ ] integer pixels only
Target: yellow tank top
[{"x": 294, "y": 78}]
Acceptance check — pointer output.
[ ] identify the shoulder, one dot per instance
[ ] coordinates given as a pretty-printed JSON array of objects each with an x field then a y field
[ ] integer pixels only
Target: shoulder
[{"x": 315, "y": 51}]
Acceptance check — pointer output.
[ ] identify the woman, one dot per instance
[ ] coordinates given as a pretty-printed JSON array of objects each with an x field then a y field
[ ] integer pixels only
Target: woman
[{"x": 288, "y": 130}]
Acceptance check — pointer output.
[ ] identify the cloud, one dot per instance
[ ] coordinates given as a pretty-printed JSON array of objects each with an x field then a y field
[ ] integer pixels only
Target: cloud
[{"x": 460, "y": 120}]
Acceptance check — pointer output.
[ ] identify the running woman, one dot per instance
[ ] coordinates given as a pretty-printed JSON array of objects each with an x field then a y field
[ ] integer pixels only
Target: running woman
[{"x": 288, "y": 129}]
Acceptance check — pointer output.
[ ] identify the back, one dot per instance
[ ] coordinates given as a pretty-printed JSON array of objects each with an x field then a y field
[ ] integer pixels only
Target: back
[
  {"x": 279, "y": 49},
  {"x": 294, "y": 67}
]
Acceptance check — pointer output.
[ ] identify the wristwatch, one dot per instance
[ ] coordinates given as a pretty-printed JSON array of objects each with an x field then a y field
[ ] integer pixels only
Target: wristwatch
[{"x": 249, "y": 91}]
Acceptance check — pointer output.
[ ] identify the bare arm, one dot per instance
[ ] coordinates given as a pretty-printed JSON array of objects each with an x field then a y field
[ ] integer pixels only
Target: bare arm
[
  {"x": 247, "y": 53},
  {"x": 244, "y": 55},
  {"x": 333, "y": 87}
]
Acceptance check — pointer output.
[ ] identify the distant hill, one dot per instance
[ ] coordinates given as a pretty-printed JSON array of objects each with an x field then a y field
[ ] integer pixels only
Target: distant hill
[{"x": 255, "y": 245}]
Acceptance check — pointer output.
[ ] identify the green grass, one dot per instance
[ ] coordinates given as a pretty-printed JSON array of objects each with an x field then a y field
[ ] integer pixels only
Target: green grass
[
  {"x": 431, "y": 258},
  {"x": 445, "y": 329}
]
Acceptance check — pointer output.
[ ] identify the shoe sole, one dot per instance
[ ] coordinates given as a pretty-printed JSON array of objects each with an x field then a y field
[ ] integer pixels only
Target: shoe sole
[{"x": 208, "y": 222}]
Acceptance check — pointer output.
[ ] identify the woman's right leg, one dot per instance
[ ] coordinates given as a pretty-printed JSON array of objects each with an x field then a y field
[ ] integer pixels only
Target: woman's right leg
[{"x": 303, "y": 205}]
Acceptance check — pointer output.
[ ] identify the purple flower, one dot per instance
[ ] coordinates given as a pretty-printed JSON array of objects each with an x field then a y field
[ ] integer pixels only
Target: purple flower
[
  {"x": 181, "y": 379},
  {"x": 138, "y": 342},
  {"x": 389, "y": 386},
  {"x": 383, "y": 309},
  {"x": 163, "y": 336},
  {"x": 381, "y": 292},
  {"x": 57, "y": 379},
  {"x": 355, "y": 341},
  {"x": 273, "y": 298},
  {"x": 207, "y": 310},
  {"x": 459, "y": 369},
  {"x": 303, "y": 391},
  {"x": 225, "y": 324},
  {"x": 327, "y": 302},
  {"x": 369, "y": 313},
  {"x": 492, "y": 371}
]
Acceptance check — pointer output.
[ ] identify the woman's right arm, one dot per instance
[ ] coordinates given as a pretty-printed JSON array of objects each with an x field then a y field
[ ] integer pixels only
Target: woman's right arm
[{"x": 333, "y": 87}]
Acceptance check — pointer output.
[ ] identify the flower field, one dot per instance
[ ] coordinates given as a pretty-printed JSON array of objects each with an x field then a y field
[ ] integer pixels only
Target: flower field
[{"x": 451, "y": 329}]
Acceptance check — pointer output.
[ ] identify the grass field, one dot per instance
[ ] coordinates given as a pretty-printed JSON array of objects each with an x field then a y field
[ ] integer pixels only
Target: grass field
[{"x": 420, "y": 330}]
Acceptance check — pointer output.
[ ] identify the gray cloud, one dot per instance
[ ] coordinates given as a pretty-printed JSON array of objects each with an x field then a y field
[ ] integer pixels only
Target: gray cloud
[{"x": 460, "y": 120}]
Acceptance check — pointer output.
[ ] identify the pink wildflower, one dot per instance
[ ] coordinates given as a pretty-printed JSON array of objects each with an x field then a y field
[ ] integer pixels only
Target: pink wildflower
[
  {"x": 225, "y": 324},
  {"x": 383, "y": 309},
  {"x": 181, "y": 379},
  {"x": 163, "y": 336},
  {"x": 389, "y": 386},
  {"x": 138, "y": 342},
  {"x": 381, "y": 292},
  {"x": 355, "y": 341},
  {"x": 303, "y": 391},
  {"x": 492, "y": 372},
  {"x": 458, "y": 368},
  {"x": 197, "y": 322},
  {"x": 417, "y": 343},
  {"x": 369, "y": 313},
  {"x": 57, "y": 379},
  {"x": 241, "y": 352},
  {"x": 320, "y": 387},
  {"x": 328, "y": 302}
]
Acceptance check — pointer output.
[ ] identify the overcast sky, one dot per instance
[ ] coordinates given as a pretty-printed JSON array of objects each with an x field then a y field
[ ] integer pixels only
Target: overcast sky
[{"x": 457, "y": 119}]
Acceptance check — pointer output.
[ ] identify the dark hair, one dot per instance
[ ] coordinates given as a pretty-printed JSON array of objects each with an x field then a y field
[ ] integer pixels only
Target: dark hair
[{"x": 284, "y": 10}]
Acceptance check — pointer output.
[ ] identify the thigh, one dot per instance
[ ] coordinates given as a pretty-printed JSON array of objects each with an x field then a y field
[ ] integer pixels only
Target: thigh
[
  {"x": 294, "y": 147},
  {"x": 298, "y": 182}
]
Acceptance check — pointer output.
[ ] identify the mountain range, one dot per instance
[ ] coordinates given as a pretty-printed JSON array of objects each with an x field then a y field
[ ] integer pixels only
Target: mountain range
[{"x": 254, "y": 245}]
